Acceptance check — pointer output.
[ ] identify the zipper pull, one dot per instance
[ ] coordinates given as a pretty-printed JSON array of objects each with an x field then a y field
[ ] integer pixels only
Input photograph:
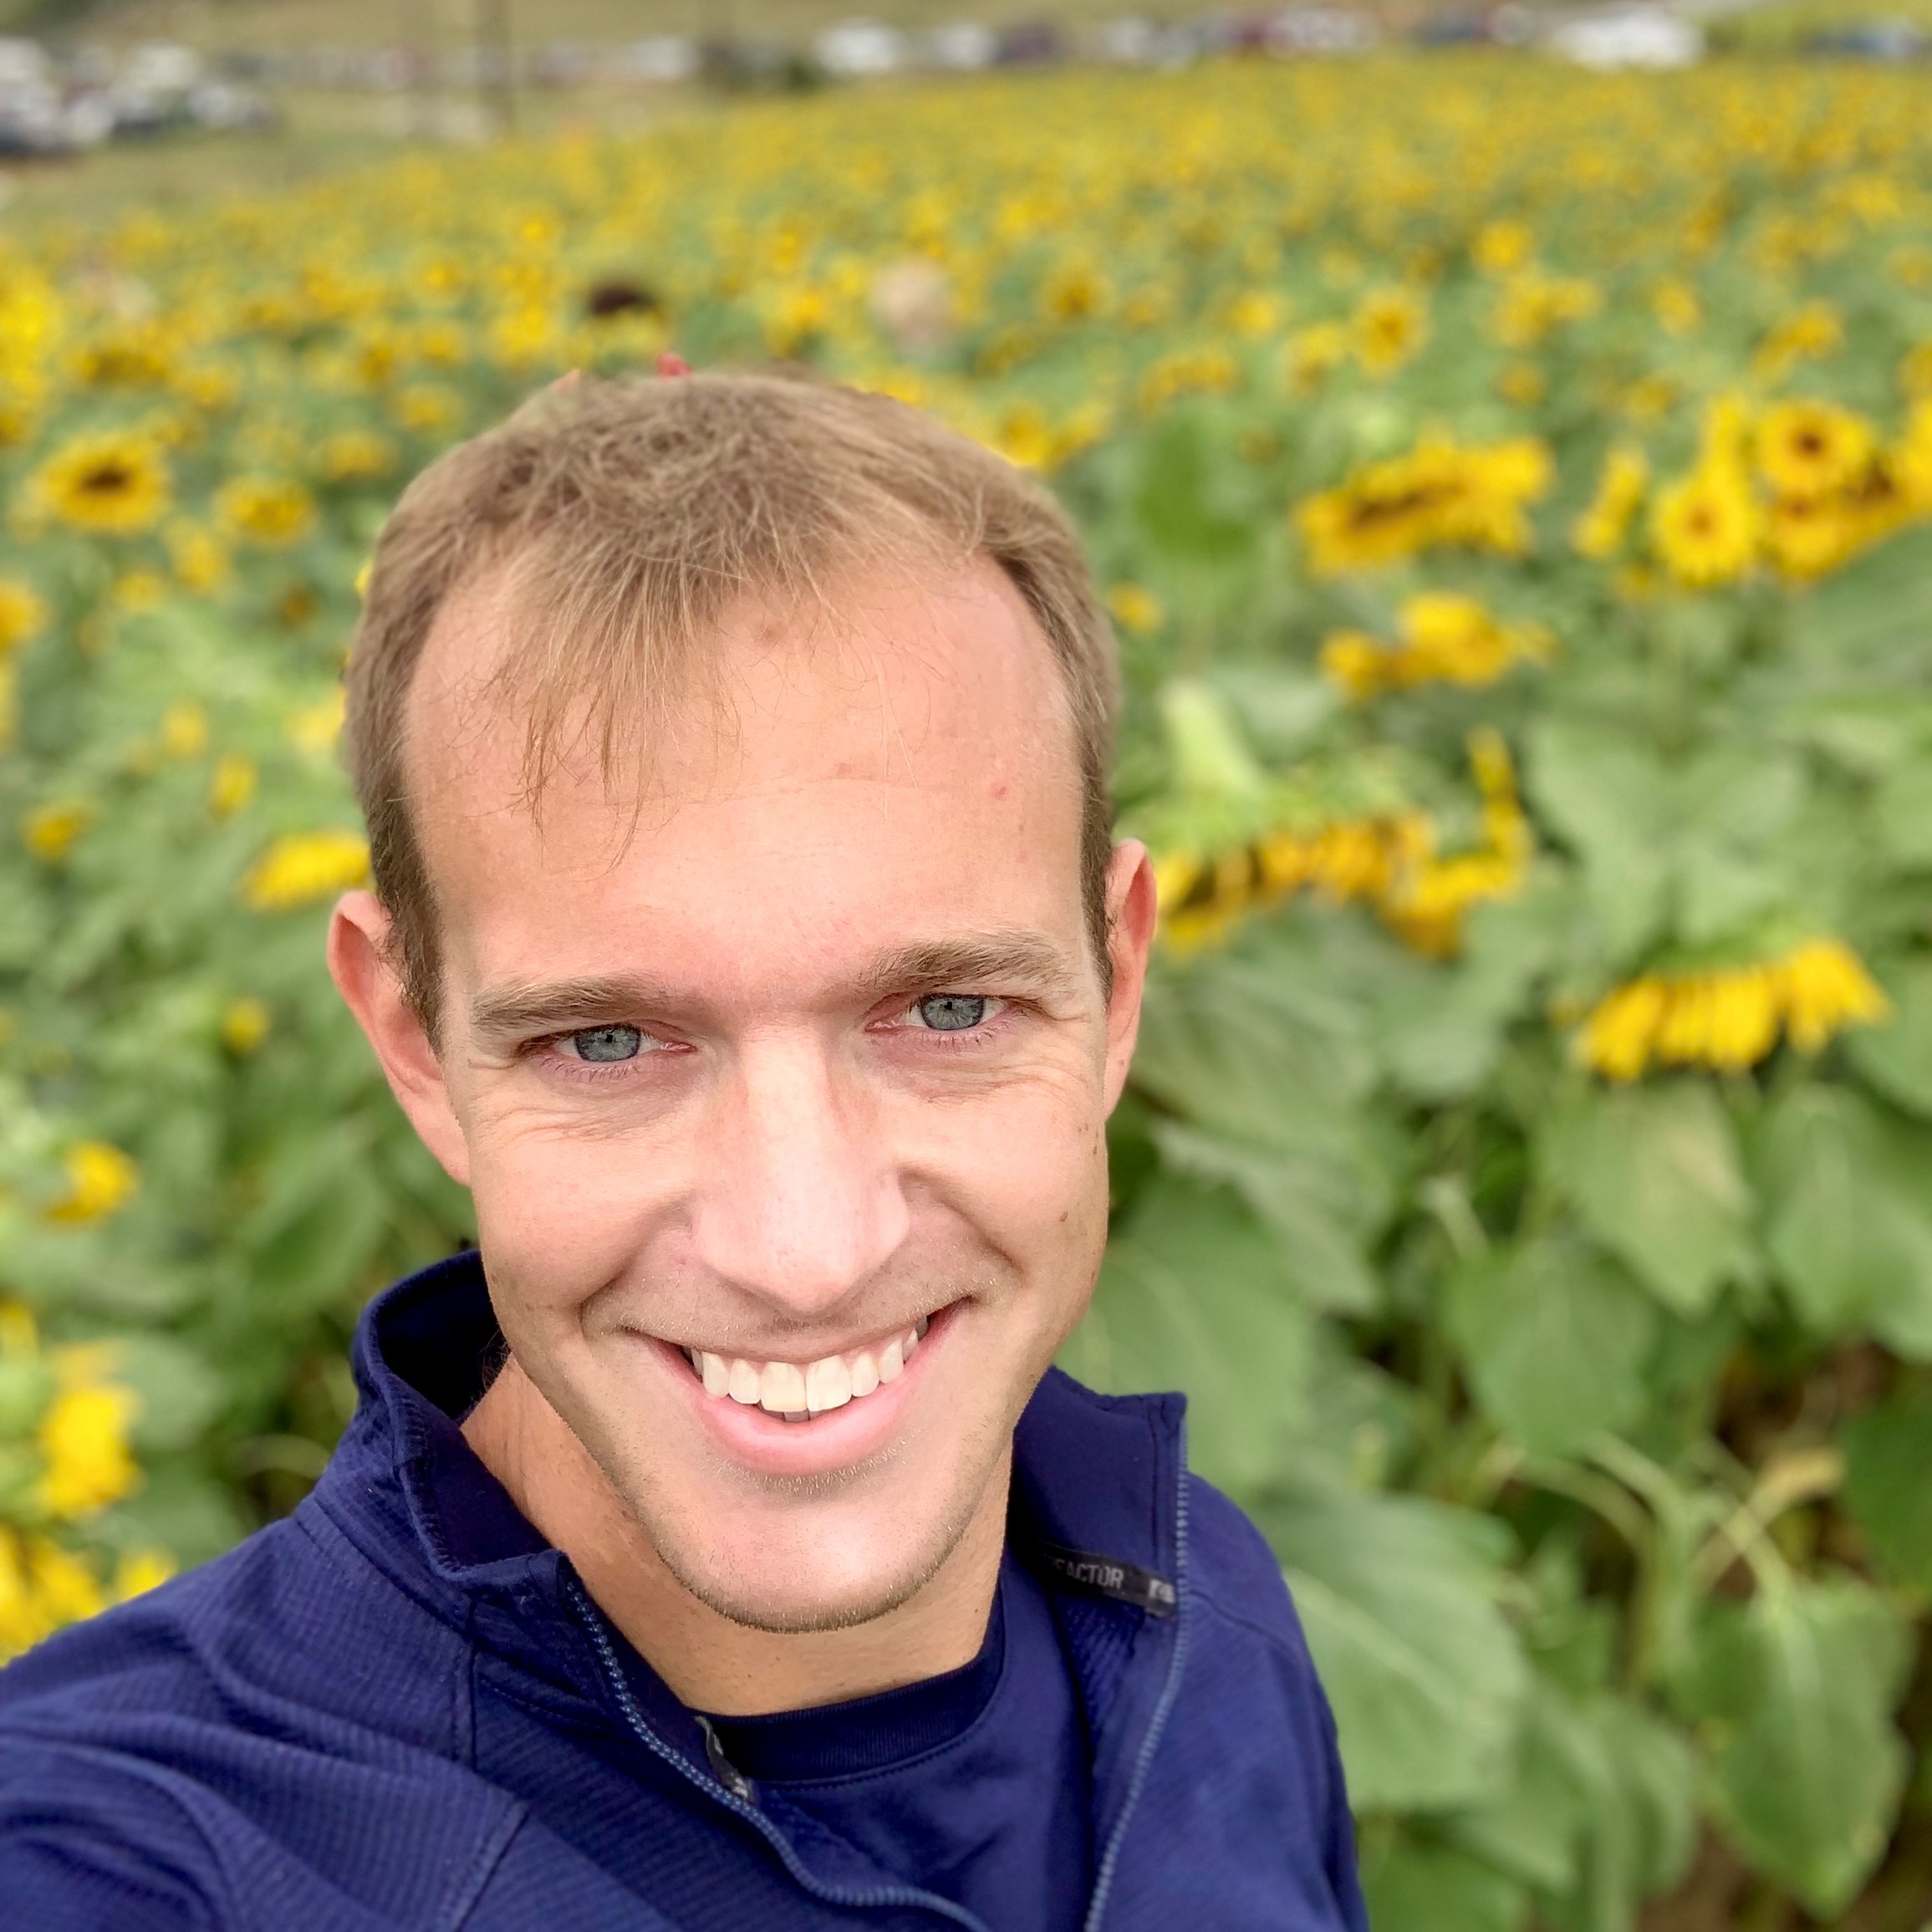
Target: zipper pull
[{"x": 727, "y": 1774}]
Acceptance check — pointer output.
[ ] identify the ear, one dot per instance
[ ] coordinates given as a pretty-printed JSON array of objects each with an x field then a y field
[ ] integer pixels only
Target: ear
[
  {"x": 1132, "y": 905},
  {"x": 360, "y": 963}
]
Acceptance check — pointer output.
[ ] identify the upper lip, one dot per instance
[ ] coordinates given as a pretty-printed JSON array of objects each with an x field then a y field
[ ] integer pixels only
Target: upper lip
[{"x": 793, "y": 1350}]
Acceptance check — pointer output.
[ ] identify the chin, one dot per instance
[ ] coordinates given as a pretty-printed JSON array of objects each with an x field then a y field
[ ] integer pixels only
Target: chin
[{"x": 786, "y": 1585}]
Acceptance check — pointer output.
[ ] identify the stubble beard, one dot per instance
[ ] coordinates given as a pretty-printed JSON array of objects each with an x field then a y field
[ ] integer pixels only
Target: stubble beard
[{"x": 980, "y": 1461}]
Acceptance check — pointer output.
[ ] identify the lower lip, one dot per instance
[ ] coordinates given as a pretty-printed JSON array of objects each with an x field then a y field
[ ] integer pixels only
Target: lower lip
[{"x": 836, "y": 1440}]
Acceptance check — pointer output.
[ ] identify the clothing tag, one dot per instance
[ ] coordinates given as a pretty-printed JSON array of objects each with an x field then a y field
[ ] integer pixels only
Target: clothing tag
[
  {"x": 1127, "y": 1583},
  {"x": 727, "y": 1774}
]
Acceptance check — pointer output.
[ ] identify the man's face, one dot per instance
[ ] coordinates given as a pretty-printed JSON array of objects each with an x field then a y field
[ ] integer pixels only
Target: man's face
[{"x": 782, "y": 1095}]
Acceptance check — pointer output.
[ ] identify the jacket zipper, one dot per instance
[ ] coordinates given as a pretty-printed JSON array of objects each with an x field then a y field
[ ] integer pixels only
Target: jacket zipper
[
  {"x": 911, "y": 1895},
  {"x": 1110, "y": 1859}
]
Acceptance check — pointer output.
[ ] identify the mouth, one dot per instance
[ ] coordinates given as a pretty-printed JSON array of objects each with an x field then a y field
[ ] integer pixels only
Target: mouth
[{"x": 797, "y": 1392}]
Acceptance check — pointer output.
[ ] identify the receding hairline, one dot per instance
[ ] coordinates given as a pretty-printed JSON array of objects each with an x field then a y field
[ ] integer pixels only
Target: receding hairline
[
  {"x": 496, "y": 606},
  {"x": 635, "y": 511}
]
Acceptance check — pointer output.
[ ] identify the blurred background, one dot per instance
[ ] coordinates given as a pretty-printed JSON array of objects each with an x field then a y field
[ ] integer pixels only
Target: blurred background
[{"x": 1505, "y": 438}]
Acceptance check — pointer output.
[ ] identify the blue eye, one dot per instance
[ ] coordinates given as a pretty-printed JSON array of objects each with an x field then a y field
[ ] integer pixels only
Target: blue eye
[
  {"x": 604, "y": 1043},
  {"x": 951, "y": 1012}
]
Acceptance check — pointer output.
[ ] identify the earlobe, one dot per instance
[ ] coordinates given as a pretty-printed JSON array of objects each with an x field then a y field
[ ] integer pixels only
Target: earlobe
[
  {"x": 360, "y": 964},
  {"x": 1132, "y": 909}
]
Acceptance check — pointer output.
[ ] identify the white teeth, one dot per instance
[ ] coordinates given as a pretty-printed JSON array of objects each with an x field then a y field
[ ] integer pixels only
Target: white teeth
[
  {"x": 828, "y": 1384},
  {"x": 782, "y": 1387}
]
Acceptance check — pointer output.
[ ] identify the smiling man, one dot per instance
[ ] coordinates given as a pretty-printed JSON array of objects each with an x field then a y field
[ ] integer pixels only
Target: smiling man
[{"x": 715, "y": 1547}]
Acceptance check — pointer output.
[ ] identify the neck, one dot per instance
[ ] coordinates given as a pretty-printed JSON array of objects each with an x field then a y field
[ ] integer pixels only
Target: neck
[{"x": 711, "y": 1663}]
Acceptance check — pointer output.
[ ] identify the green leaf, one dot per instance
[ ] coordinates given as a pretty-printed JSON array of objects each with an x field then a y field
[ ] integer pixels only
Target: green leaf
[
  {"x": 1530, "y": 1828},
  {"x": 1438, "y": 1029},
  {"x": 27, "y": 1386},
  {"x": 1298, "y": 1200},
  {"x": 1658, "y": 1773},
  {"x": 1283, "y": 710},
  {"x": 1794, "y": 1693},
  {"x": 1609, "y": 799},
  {"x": 1255, "y": 1046},
  {"x": 1206, "y": 749},
  {"x": 1634, "y": 1778},
  {"x": 1600, "y": 1815},
  {"x": 1555, "y": 1338},
  {"x": 1175, "y": 504},
  {"x": 1850, "y": 1243},
  {"x": 178, "y": 1508},
  {"x": 1888, "y": 1458},
  {"x": 1654, "y": 1174},
  {"x": 1896, "y": 1059},
  {"x": 1398, "y": 1596},
  {"x": 1416, "y": 1884},
  {"x": 181, "y": 1392},
  {"x": 1194, "y": 1295},
  {"x": 1902, "y": 804},
  {"x": 1869, "y": 618},
  {"x": 1721, "y": 893}
]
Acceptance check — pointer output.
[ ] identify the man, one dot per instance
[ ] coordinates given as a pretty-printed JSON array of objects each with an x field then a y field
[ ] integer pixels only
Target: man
[{"x": 715, "y": 1548}]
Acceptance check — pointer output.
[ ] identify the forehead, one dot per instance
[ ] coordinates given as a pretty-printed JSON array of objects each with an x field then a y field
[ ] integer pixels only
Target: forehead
[{"x": 897, "y": 758}]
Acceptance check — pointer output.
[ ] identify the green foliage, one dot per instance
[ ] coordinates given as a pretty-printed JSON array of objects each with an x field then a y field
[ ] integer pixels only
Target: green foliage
[
  {"x": 1654, "y": 1175},
  {"x": 1521, "y": 1174},
  {"x": 1793, "y": 1692}
]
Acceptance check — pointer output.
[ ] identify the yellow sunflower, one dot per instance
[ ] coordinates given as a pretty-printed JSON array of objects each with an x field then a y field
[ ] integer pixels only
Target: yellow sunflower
[
  {"x": 1809, "y": 449},
  {"x": 1705, "y": 526},
  {"x": 1391, "y": 324},
  {"x": 112, "y": 484},
  {"x": 1599, "y": 533},
  {"x": 1808, "y": 536},
  {"x": 1825, "y": 989},
  {"x": 1135, "y": 608},
  {"x": 267, "y": 509},
  {"x": 22, "y": 613},
  {"x": 302, "y": 867}
]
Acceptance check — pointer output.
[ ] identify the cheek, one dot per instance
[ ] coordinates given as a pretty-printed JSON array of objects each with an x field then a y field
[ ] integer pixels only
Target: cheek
[
  {"x": 560, "y": 1215},
  {"x": 1030, "y": 1172}
]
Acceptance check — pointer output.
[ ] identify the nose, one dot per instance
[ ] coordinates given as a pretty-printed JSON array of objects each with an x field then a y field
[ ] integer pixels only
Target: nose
[{"x": 800, "y": 1202}]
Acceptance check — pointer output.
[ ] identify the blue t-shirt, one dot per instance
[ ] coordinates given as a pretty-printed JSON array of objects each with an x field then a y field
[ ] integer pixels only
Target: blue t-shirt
[{"x": 975, "y": 1785}]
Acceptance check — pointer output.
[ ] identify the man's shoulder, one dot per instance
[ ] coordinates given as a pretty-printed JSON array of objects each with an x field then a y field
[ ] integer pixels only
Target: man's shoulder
[
  {"x": 294, "y": 1629},
  {"x": 1233, "y": 1574},
  {"x": 265, "y": 1726}
]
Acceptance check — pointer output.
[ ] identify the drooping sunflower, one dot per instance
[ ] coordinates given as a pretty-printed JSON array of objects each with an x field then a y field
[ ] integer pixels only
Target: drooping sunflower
[
  {"x": 1806, "y": 448},
  {"x": 109, "y": 484}
]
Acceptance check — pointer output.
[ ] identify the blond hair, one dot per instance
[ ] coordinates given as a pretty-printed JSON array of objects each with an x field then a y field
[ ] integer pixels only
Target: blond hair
[{"x": 630, "y": 516}]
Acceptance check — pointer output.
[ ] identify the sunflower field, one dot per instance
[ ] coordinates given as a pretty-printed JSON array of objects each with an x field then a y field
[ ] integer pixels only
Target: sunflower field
[{"x": 1514, "y": 493}]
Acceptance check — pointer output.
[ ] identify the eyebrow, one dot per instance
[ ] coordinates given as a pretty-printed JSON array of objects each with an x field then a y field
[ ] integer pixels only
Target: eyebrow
[{"x": 1018, "y": 962}]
